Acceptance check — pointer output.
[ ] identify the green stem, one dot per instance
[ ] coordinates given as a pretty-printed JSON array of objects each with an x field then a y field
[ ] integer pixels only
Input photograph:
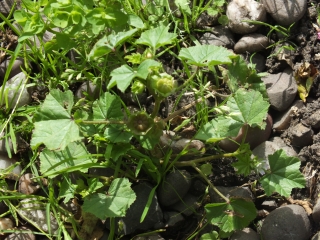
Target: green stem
[
  {"x": 103, "y": 122},
  {"x": 156, "y": 108},
  {"x": 210, "y": 184}
]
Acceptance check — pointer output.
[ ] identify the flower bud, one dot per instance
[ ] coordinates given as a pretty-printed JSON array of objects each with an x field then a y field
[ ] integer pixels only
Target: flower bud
[
  {"x": 137, "y": 87},
  {"x": 140, "y": 123},
  {"x": 164, "y": 84}
]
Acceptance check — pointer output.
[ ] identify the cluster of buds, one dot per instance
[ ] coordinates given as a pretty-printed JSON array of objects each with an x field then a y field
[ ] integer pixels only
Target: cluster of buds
[{"x": 164, "y": 84}]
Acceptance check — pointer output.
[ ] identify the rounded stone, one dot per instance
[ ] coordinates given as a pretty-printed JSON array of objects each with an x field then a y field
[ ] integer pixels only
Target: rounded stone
[
  {"x": 300, "y": 135},
  {"x": 254, "y": 42},
  {"x": 16, "y": 68},
  {"x": 27, "y": 185},
  {"x": 288, "y": 222},
  {"x": 245, "y": 234},
  {"x": 316, "y": 212},
  {"x": 218, "y": 36},
  {"x": 285, "y": 12},
  {"x": 281, "y": 88},
  {"x": 174, "y": 187},
  {"x": 240, "y": 10}
]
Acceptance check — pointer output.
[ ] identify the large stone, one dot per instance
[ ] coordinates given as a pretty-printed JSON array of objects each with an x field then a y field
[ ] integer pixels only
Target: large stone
[
  {"x": 174, "y": 187},
  {"x": 281, "y": 89},
  {"x": 254, "y": 42},
  {"x": 240, "y": 10},
  {"x": 6, "y": 6},
  {"x": 154, "y": 217},
  {"x": 245, "y": 234},
  {"x": 300, "y": 135},
  {"x": 285, "y": 12},
  {"x": 288, "y": 222},
  {"x": 218, "y": 36},
  {"x": 16, "y": 67}
]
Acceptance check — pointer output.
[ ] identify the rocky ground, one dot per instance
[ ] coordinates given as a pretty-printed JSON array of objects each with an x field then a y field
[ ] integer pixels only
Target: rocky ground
[{"x": 294, "y": 124}]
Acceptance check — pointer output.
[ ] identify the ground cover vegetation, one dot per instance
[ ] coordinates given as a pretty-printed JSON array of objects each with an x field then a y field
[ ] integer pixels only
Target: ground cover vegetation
[{"x": 123, "y": 46}]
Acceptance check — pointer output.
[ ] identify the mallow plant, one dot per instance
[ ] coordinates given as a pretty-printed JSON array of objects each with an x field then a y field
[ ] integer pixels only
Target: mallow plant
[{"x": 75, "y": 136}]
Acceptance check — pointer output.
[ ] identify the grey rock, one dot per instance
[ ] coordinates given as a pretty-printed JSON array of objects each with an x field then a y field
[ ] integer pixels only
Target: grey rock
[
  {"x": 242, "y": 192},
  {"x": 6, "y": 223},
  {"x": 282, "y": 120},
  {"x": 188, "y": 144},
  {"x": 27, "y": 185},
  {"x": 240, "y": 10},
  {"x": 219, "y": 36},
  {"x": 300, "y": 135},
  {"x": 313, "y": 120},
  {"x": 206, "y": 20},
  {"x": 269, "y": 205},
  {"x": 16, "y": 67},
  {"x": 154, "y": 217},
  {"x": 174, "y": 187},
  {"x": 285, "y": 12},
  {"x": 257, "y": 59},
  {"x": 22, "y": 233},
  {"x": 269, "y": 147},
  {"x": 172, "y": 218},
  {"x": 187, "y": 206},
  {"x": 281, "y": 89},
  {"x": 288, "y": 222},
  {"x": 6, "y": 5},
  {"x": 15, "y": 87},
  {"x": 245, "y": 234},
  {"x": 32, "y": 210},
  {"x": 88, "y": 90},
  {"x": 254, "y": 42},
  {"x": 316, "y": 212},
  {"x": 6, "y": 162},
  {"x": 316, "y": 237}
]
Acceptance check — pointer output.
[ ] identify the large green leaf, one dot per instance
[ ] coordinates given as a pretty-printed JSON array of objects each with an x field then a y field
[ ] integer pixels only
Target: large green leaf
[
  {"x": 113, "y": 204},
  {"x": 284, "y": 174},
  {"x": 107, "y": 107},
  {"x": 245, "y": 107},
  {"x": 74, "y": 157},
  {"x": 232, "y": 215},
  {"x": 205, "y": 55},
  {"x": 54, "y": 125},
  {"x": 157, "y": 37}
]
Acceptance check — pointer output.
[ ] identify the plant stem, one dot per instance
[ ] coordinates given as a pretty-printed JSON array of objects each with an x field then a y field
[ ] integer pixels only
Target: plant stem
[
  {"x": 103, "y": 122},
  {"x": 210, "y": 184}
]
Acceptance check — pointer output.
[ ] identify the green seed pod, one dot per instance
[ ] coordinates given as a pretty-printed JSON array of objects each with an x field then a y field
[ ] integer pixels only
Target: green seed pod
[
  {"x": 164, "y": 84},
  {"x": 137, "y": 87},
  {"x": 140, "y": 123}
]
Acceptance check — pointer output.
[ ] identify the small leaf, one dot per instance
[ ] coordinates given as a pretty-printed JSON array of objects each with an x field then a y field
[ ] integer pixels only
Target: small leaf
[
  {"x": 183, "y": 5},
  {"x": 232, "y": 215},
  {"x": 210, "y": 236},
  {"x": 284, "y": 174},
  {"x": 117, "y": 134},
  {"x": 122, "y": 77},
  {"x": 205, "y": 55},
  {"x": 245, "y": 163},
  {"x": 107, "y": 107},
  {"x": 72, "y": 158},
  {"x": 157, "y": 37},
  {"x": 113, "y": 204}
]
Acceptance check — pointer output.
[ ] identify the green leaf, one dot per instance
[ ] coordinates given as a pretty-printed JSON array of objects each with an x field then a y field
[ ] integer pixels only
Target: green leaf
[
  {"x": 108, "y": 43},
  {"x": 54, "y": 125},
  {"x": 245, "y": 163},
  {"x": 73, "y": 158},
  {"x": 113, "y": 204},
  {"x": 232, "y": 215},
  {"x": 284, "y": 174},
  {"x": 67, "y": 190},
  {"x": 244, "y": 108},
  {"x": 135, "y": 21},
  {"x": 108, "y": 107},
  {"x": 117, "y": 134},
  {"x": 210, "y": 236},
  {"x": 122, "y": 77},
  {"x": 157, "y": 37},
  {"x": 143, "y": 69},
  {"x": 248, "y": 107},
  {"x": 205, "y": 55},
  {"x": 183, "y": 5}
]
